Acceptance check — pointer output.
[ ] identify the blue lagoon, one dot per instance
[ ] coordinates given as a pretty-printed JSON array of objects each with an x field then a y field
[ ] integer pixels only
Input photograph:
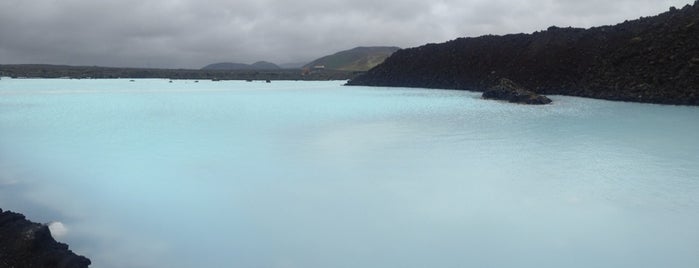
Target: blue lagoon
[{"x": 314, "y": 174}]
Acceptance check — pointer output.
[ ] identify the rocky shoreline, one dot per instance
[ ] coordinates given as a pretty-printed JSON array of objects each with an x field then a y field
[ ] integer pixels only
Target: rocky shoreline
[
  {"x": 87, "y": 72},
  {"x": 30, "y": 245},
  {"x": 652, "y": 60}
]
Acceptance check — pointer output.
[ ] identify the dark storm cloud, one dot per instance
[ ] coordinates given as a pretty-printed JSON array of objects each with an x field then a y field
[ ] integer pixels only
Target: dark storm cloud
[{"x": 193, "y": 33}]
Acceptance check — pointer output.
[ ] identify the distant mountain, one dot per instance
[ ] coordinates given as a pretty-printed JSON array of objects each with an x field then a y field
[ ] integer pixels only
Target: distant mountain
[
  {"x": 652, "y": 59},
  {"x": 293, "y": 65},
  {"x": 260, "y": 65},
  {"x": 264, "y": 65},
  {"x": 226, "y": 66},
  {"x": 356, "y": 59}
]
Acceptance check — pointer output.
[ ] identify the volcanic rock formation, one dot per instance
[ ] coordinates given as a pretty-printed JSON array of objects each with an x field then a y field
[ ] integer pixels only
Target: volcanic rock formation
[
  {"x": 653, "y": 59},
  {"x": 30, "y": 245},
  {"x": 509, "y": 91}
]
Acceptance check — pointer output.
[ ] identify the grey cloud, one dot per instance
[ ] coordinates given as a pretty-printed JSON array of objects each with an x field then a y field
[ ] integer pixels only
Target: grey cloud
[{"x": 193, "y": 33}]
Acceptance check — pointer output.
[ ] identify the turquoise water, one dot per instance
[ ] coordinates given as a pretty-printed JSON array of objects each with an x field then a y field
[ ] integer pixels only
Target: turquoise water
[{"x": 313, "y": 174}]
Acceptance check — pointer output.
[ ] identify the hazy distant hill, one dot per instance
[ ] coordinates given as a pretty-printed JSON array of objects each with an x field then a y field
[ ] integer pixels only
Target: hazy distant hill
[
  {"x": 356, "y": 59},
  {"x": 293, "y": 65},
  {"x": 260, "y": 65}
]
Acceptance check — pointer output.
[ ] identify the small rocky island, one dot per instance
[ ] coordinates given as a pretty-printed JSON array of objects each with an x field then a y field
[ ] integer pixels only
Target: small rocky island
[
  {"x": 509, "y": 91},
  {"x": 27, "y": 244}
]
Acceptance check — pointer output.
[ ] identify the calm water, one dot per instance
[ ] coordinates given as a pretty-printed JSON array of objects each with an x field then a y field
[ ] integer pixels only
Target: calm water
[{"x": 312, "y": 174}]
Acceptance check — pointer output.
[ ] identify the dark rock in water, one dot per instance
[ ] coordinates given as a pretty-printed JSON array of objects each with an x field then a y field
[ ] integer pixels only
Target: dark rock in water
[
  {"x": 509, "y": 91},
  {"x": 30, "y": 245}
]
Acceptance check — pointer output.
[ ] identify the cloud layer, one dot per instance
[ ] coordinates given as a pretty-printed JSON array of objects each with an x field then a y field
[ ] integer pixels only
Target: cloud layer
[{"x": 193, "y": 33}]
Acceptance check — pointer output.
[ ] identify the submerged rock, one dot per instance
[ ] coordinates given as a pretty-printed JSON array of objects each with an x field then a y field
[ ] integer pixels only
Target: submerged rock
[
  {"x": 509, "y": 91},
  {"x": 30, "y": 245}
]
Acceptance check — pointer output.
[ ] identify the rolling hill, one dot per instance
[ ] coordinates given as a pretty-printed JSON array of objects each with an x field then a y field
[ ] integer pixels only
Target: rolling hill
[{"x": 356, "y": 59}]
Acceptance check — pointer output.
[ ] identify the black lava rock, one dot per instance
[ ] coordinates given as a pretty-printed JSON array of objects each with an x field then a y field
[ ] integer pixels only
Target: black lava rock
[
  {"x": 30, "y": 245},
  {"x": 652, "y": 59},
  {"x": 509, "y": 91}
]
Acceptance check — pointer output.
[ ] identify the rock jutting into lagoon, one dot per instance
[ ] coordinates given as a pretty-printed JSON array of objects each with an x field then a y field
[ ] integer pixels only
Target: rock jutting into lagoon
[
  {"x": 30, "y": 245},
  {"x": 510, "y": 91},
  {"x": 653, "y": 59}
]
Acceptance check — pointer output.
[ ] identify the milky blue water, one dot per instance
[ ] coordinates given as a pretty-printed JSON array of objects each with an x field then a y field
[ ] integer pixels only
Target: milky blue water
[{"x": 313, "y": 174}]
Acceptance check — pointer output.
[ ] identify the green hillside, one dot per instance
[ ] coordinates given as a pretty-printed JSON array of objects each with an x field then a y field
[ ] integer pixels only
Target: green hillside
[{"x": 356, "y": 59}]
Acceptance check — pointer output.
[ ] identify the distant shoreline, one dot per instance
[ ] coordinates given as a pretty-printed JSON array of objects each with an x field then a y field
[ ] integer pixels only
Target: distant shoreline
[{"x": 87, "y": 72}]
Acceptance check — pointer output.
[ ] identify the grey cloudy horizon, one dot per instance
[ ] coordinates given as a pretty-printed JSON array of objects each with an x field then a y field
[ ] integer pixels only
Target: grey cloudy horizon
[{"x": 194, "y": 33}]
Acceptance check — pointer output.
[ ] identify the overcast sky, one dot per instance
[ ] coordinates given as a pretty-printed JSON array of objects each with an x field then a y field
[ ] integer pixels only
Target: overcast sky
[{"x": 193, "y": 33}]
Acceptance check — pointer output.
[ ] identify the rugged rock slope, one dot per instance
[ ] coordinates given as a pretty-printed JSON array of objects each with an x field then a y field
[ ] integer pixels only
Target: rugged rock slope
[
  {"x": 652, "y": 59},
  {"x": 30, "y": 245}
]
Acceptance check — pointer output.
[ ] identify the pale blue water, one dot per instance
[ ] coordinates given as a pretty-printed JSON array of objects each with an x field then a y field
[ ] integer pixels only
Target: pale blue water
[{"x": 313, "y": 174}]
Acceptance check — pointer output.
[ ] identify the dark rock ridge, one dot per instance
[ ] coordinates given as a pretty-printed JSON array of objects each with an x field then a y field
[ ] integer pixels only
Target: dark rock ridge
[
  {"x": 509, "y": 91},
  {"x": 653, "y": 59},
  {"x": 30, "y": 245}
]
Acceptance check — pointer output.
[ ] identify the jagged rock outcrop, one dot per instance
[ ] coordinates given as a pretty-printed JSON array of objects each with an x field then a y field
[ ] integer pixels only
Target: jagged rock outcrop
[
  {"x": 653, "y": 59},
  {"x": 510, "y": 91},
  {"x": 27, "y": 244}
]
